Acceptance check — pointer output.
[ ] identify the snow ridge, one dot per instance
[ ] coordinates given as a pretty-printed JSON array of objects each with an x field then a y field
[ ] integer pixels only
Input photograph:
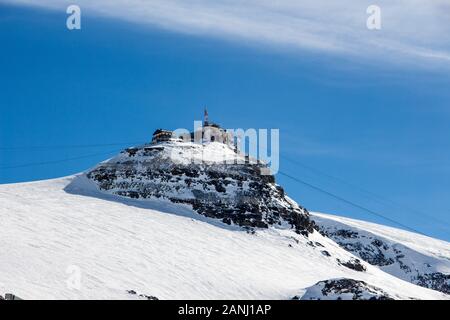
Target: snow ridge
[{"x": 418, "y": 265}]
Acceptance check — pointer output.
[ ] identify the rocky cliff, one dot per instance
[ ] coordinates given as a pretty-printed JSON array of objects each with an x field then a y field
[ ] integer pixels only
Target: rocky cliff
[{"x": 212, "y": 178}]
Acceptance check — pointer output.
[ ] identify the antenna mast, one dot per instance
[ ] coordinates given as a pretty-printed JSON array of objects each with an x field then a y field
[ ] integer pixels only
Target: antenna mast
[{"x": 205, "y": 117}]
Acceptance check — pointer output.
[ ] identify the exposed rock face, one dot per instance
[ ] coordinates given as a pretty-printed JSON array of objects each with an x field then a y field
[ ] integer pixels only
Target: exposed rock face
[
  {"x": 435, "y": 280},
  {"x": 344, "y": 289},
  {"x": 141, "y": 295},
  {"x": 204, "y": 177},
  {"x": 354, "y": 264},
  {"x": 394, "y": 258},
  {"x": 9, "y": 296}
]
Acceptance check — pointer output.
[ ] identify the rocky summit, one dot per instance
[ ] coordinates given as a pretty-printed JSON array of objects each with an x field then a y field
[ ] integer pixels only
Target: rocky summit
[{"x": 212, "y": 178}]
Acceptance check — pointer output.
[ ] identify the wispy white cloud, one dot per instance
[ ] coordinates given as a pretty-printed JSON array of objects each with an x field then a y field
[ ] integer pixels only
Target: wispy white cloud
[{"x": 413, "y": 31}]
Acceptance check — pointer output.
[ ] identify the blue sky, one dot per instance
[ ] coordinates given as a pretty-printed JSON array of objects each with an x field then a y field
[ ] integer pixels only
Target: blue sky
[{"x": 379, "y": 122}]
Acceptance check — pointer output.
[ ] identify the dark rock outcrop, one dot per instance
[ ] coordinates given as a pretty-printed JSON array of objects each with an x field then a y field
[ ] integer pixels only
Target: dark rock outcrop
[
  {"x": 435, "y": 280},
  {"x": 236, "y": 193},
  {"x": 343, "y": 289},
  {"x": 141, "y": 295},
  {"x": 354, "y": 264},
  {"x": 385, "y": 254}
]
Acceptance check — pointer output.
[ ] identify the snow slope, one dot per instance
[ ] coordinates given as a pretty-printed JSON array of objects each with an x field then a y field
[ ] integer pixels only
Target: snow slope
[
  {"x": 416, "y": 258},
  {"x": 50, "y": 230}
]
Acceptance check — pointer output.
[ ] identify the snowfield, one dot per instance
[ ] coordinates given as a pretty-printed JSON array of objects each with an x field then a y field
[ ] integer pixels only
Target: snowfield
[
  {"x": 56, "y": 232},
  {"x": 415, "y": 258}
]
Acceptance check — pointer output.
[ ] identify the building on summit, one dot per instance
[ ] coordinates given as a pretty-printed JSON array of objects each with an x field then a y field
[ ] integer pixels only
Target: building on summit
[
  {"x": 212, "y": 132},
  {"x": 209, "y": 132},
  {"x": 161, "y": 135}
]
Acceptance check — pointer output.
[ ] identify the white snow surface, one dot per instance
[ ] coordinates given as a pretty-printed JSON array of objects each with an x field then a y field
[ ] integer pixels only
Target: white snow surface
[
  {"x": 51, "y": 230},
  {"x": 188, "y": 152},
  {"x": 422, "y": 254}
]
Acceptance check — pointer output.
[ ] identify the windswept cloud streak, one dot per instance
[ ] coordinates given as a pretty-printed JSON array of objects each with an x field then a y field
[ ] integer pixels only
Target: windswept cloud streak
[{"x": 413, "y": 31}]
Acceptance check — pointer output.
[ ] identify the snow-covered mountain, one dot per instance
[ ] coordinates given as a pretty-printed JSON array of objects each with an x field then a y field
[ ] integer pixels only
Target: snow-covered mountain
[
  {"x": 149, "y": 224},
  {"x": 212, "y": 178},
  {"x": 409, "y": 256}
]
